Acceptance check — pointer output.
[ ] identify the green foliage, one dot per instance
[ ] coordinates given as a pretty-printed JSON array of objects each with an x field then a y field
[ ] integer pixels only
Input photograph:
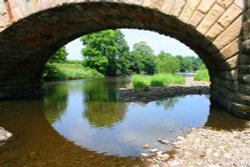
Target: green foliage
[
  {"x": 142, "y": 59},
  {"x": 107, "y": 52},
  {"x": 141, "y": 81},
  {"x": 188, "y": 63},
  {"x": 202, "y": 74},
  {"x": 60, "y": 56},
  {"x": 65, "y": 71},
  {"x": 166, "y": 63}
]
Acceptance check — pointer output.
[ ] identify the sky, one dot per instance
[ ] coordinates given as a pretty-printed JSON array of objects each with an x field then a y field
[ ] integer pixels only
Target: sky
[{"x": 155, "y": 40}]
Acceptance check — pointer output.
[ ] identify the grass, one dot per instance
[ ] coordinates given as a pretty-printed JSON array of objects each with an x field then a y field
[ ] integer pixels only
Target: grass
[
  {"x": 202, "y": 75},
  {"x": 141, "y": 81},
  {"x": 68, "y": 71}
]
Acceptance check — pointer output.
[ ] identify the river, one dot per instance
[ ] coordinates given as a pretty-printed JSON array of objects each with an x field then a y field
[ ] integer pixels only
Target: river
[{"x": 84, "y": 123}]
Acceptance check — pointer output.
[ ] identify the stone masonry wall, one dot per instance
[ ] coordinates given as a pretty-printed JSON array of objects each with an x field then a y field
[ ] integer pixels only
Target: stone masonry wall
[{"x": 32, "y": 30}]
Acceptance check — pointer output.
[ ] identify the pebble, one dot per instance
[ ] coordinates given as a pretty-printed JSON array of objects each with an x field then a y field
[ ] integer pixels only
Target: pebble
[
  {"x": 163, "y": 141},
  {"x": 209, "y": 148},
  {"x": 144, "y": 155},
  {"x": 146, "y": 146},
  {"x": 153, "y": 150}
]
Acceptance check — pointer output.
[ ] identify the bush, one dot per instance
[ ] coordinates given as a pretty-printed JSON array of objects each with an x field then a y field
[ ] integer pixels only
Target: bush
[
  {"x": 202, "y": 74},
  {"x": 67, "y": 71},
  {"x": 157, "y": 82},
  {"x": 140, "y": 81}
]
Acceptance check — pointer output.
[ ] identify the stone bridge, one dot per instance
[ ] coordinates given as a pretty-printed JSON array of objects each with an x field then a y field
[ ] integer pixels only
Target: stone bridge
[{"x": 217, "y": 30}]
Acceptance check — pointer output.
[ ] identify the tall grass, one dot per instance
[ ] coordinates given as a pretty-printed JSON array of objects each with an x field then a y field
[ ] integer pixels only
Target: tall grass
[
  {"x": 202, "y": 74},
  {"x": 68, "y": 71},
  {"x": 141, "y": 81}
]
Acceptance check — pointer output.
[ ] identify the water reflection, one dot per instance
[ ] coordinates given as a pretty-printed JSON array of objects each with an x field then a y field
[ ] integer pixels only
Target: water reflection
[
  {"x": 95, "y": 119},
  {"x": 101, "y": 102}
]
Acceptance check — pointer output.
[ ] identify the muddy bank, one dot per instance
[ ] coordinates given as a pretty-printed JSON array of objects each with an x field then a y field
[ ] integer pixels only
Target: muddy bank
[
  {"x": 151, "y": 93},
  {"x": 206, "y": 147}
]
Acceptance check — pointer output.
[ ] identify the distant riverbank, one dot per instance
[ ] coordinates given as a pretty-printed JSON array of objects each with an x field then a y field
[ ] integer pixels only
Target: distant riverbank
[{"x": 151, "y": 93}]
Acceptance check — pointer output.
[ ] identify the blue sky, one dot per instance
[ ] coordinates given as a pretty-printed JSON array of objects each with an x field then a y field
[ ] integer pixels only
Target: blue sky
[{"x": 155, "y": 40}]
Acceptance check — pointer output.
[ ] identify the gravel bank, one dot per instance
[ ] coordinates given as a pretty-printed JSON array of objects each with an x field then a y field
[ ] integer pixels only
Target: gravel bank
[{"x": 208, "y": 148}]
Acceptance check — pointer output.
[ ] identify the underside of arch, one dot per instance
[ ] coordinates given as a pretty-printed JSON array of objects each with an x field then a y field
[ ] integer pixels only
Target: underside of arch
[{"x": 27, "y": 45}]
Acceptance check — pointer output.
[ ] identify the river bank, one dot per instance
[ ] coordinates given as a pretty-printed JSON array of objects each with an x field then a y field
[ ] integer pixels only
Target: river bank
[
  {"x": 206, "y": 147},
  {"x": 151, "y": 93}
]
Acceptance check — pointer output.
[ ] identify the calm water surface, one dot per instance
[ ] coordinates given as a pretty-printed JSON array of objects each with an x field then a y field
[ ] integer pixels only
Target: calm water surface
[{"x": 83, "y": 123}]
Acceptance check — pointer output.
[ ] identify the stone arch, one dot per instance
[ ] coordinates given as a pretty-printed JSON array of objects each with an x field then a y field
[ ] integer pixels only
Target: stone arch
[{"x": 31, "y": 31}]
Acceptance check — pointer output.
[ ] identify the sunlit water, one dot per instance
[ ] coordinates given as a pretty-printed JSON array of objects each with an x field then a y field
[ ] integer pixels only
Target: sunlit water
[
  {"x": 90, "y": 115},
  {"x": 83, "y": 123}
]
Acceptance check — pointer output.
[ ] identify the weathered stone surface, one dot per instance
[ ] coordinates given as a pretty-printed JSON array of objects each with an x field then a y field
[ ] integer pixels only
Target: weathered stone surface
[
  {"x": 210, "y": 19},
  {"x": 225, "y": 3},
  {"x": 156, "y": 4},
  {"x": 177, "y": 7},
  {"x": 205, "y": 5},
  {"x": 214, "y": 31},
  {"x": 188, "y": 10},
  {"x": 196, "y": 18},
  {"x": 245, "y": 46},
  {"x": 230, "y": 34},
  {"x": 230, "y": 64},
  {"x": 228, "y": 17},
  {"x": 167, "y": 6}
]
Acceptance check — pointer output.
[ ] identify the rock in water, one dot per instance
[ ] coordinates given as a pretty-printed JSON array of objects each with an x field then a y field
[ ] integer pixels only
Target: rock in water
[
  {"x": 4, "y": 136},
  {"x": 146, "y": 146}
]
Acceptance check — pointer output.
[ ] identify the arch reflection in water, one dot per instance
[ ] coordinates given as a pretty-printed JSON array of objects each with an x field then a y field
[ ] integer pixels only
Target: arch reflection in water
[{"x": 94, "y": 118}]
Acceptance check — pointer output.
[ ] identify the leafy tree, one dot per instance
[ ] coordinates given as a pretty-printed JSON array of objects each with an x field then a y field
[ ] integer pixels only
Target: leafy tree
[
  {"x": 143, "y": 58},
  {"x": 107, "y": 52},
  {"x": 185, "y": 63},
  {"x": 166, "y": 63},
  {"x": 60, "y": 56}
]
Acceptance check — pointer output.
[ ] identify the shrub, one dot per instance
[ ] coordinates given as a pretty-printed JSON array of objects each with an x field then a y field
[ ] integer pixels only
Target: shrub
[{"x": 202, "y": 74}]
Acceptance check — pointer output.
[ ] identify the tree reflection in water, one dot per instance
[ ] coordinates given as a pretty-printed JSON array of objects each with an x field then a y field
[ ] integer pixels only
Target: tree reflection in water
[{"x": 102, "y": 106}]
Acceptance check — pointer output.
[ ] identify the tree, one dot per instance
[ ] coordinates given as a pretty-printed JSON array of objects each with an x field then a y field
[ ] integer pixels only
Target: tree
[
  {"x": 143, "y": 58},
  {"x": 60, "y": 56},
  {"x": 185, "y": 63},
  {"x": 107, "y": 52},
  {"x": 166, "y": 63}
]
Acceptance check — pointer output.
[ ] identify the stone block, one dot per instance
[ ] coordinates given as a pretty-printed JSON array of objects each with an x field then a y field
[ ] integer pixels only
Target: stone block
[
  {"x": 167, "y": 6},
  {"x": 188, "y": 10},
  {"x": 210, "y": 18},
  {"x": 225, "y": 3},
  {"x": 244, "y": 59},
  {"x": 205, "y": 5},
  {"x": 229, "y": 35},
  {"x": 228, "y": 75},
  {"x": 230, "y": 50},
  {"x": 244, "y": 69},
  {"x": 214, "y": 31},
  {"x": 196, "y": 18},
  {"x": 231, "y": 13},
  {"x": 244, "y": 88},
  {"x": 245, "y": 78},
  {"x": 242, "y": 99},
  {"x": 230, "y": 64},
  {"x": 155, "y": 4},
  {"x": 240, "y": 3},
  {"x": 245, "y": 46},
  {"x": 177, "y": 7}
]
